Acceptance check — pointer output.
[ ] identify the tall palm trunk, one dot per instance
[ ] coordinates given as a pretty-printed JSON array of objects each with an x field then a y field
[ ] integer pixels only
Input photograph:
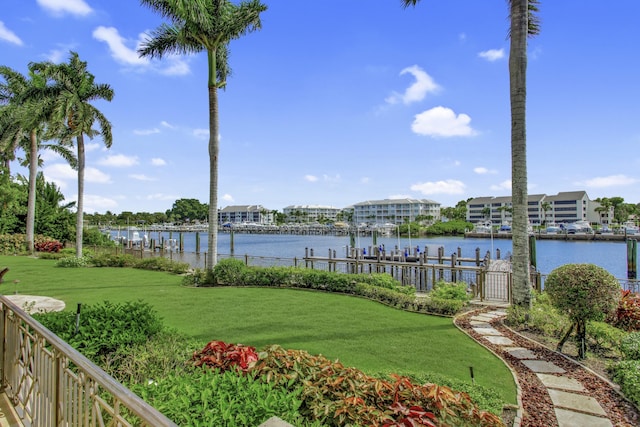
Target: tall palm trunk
[
  {"x": 80, "y": 206},
  {"x": 214, "y": 148},
  {"x": 518, "y": 95},
  {"x": 31, "y": 198}
]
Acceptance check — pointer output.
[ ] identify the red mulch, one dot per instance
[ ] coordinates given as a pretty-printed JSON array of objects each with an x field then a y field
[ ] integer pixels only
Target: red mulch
[{"x": 537, "y": 406}]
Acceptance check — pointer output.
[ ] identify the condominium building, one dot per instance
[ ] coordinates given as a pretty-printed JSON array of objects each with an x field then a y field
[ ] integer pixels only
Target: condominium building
[
  {"x": 395, "y": 211},
  {"x": 564, "y": 207},
  {"x": 311, "y": 213},
  {"x": 245, "y": 213}
]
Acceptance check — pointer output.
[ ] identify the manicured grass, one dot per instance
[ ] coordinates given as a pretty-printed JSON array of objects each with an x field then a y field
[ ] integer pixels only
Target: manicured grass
[{"x": 358, "y": 332}]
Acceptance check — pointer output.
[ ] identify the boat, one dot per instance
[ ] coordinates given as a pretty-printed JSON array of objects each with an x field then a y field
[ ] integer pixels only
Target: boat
[
  {"x": 505, "y": 228},
  {"x": 553, "y": 228},
  {"x": 483, "y": 227},
  {"x": 579, "y": 227},
  {"x": 630, "y": 228}
]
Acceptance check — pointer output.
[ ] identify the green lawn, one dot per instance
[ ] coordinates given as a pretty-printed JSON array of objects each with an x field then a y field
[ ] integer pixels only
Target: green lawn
[{"x": 358, "y": 332}]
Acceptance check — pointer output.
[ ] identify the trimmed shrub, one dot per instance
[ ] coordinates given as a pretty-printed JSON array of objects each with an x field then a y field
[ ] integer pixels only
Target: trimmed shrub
[
  {"x": 162, "y": 264},
  {"x": 583, "y": 292},
  {"x": 112, "y": 260}
]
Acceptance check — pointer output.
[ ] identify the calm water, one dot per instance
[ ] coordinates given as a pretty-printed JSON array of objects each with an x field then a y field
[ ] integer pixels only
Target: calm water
[{"x": 550, "y": 253}]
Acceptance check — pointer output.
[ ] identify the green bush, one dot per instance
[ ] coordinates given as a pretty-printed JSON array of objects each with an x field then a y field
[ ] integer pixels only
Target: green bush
[
  {"x": 630, "y": 346},
  {"x": 162, "y": 264},
  {"x": 72, "y": 262},
  {"x": 627, "y": 375},
  {"x": 111, "y": 260},
  {"x": 164, "y": 354},
  {"x": 95, "y": 237},
  {"x": 209, "y": 398},
  {"x": 230, "y": 272},
  {"x": 104, "y": 328},
  {"x": 604, "y": 337},
  {"x": 446, "y": 290}
]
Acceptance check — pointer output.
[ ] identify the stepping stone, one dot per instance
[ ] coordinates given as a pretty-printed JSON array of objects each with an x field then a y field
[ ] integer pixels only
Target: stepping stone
[
  {"x": 560, "y": 382},
  {"x": 498, "y": 340},
  {"x": 568, "y": 418},
  {"x": 482, "y": 318},
  {"x": 521, "y": 353},
  {"x": 541, "y": 366},
  {"x": 487, "y": 331},
  {"x": 579, "y": 402},
  {"x": 480, "y": 324},
  {"x": 497, "y": 313}
]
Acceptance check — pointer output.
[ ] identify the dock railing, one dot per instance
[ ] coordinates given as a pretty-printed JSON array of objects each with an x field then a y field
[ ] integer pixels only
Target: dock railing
[{"x": 51, "y": 384}]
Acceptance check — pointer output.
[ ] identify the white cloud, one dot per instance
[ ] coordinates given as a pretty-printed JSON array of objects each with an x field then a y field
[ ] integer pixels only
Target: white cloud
[
  {"x": 608, "y": 181},
  {"x": 59, "y": 174},
  {"x": 92, "y": 146},
  {"x": 492, "y": 54},
  {"x": 119, "y": 51},
  {"x": 144, "y": 132},
  {"x": 95, "y": 175},
  {"x": 449, "y": 186},
  {"x": 156, "y": 161},
  {"x": 167, "y": 125},
  {"x": 141, "y": 177},
  {"x": 504, "y": 185},
  {"x": 310, "y": 178},
  {"x": 57, "y": 55},
  {"x": 201, "y": 133},
  {"x": 119, "y": 161},
  {"x": 483, "y": 171},
  {"x": 423, "y": 85},
  {"x": 442, "y": 122},
  {"x": 328, "y": 178},
  {"x": 365, "y": 180},
  {"x": 160, "y": 196},
  {"x": 60, "y": 7},
  {"x": 8, "y": 35},
  {"x": 94, "y": 203},
  {"x": 227, "y": 198},
  {"x": 176, "y": 67}
]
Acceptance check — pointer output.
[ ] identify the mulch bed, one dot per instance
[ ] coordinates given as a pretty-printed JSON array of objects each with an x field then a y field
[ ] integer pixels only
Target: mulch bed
[{"x": 537, "y": 406}]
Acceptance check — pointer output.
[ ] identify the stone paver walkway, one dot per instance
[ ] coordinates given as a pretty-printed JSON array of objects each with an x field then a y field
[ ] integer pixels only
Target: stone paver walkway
[{"x": 572, "y": 409}]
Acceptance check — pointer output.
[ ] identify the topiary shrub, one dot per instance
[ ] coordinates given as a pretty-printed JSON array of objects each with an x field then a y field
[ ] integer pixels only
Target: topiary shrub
[{"x": 583, "y": 292}]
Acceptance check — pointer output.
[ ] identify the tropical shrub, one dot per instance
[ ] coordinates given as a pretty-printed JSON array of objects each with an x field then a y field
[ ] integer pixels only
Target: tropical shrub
[
  {"x": 604, "y": 338},
  {"x": 583, "y": 292},
  {"x": 223, "y": 356},
  {"x": 95, "y": 237},
  {"x": 337, "y": 395},
  {"x": 12, "y": 244},
  {"x": 113, "y": 260},
  {"x": 48, "y": 245},
  {"x": 628, "y": 315}
]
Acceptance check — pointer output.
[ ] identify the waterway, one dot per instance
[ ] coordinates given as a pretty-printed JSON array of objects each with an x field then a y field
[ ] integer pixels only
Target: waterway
[{"x": 612, "y": 256}]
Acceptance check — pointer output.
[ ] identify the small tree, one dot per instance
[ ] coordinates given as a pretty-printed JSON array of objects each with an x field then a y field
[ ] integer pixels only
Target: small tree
[{"x": 583, "y": 292}]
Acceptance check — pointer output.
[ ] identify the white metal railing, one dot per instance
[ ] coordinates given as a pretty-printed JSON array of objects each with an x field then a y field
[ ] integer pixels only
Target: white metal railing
[{"x": 52, "y": 384}]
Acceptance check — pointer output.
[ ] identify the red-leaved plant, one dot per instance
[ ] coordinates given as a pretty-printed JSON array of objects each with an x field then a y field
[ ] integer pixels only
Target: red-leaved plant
[
  {"x": 628, "y": 314},
  {"x": 224, "y": 356}
]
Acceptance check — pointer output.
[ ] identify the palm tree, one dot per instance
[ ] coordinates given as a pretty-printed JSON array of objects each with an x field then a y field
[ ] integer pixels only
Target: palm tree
[
  {"x": 196, "y": 26},
  {"x": 73, "y": 116},
  {"x": 545, "y": 206},
  {"x": 28, "y": 104},
  {"x": 523, "y": 23}
]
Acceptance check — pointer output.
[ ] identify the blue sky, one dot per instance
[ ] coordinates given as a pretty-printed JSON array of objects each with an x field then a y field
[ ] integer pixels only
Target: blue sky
[{"x": 336, "y": 102}]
